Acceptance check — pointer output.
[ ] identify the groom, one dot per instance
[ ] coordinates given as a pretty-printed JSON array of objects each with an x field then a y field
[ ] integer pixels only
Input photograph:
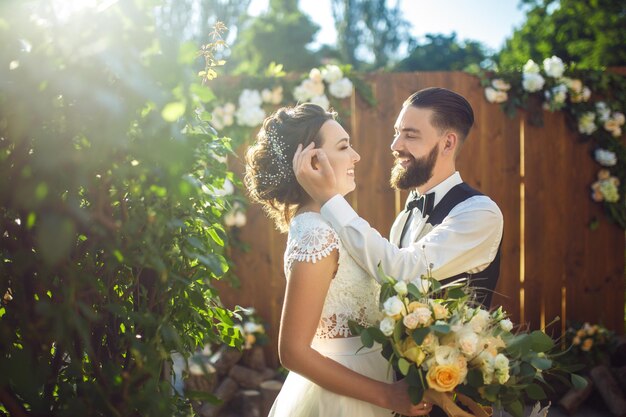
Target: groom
[{"x": 446, "y": 225}]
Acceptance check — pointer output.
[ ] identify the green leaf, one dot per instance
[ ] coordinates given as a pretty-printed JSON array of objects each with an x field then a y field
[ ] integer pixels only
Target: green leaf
[
  {"x": 377, "y": 334},
  {"x": 215, "y": 237},
  {"x": 412, "y": 289},
  {"x": 515, "y": 408},
  {"x": 403, "y": 366},
  {"x": 366, "y": 338},
  {"x": 475, "y": 378},
  {"x": 441, "y": 328},
  {"x": 527, "y": 370},
  {"x": 455, "y": 293},
  {"x": 398, "y": 331},
  {"x": 535, "y": 392},
  {"x": 416, "y": 393},
  {"x": 541, "y": 342},
  {"x": 202, "y": 396},
  {"x": 384, "y": 277},
  {"x": 204, "y": 93},
  {"x": 578, "y": 381},
  {"x": 173, "y": 111},
  {"x": 420, "y": 334},
  {"x": 541, "y": 363}
]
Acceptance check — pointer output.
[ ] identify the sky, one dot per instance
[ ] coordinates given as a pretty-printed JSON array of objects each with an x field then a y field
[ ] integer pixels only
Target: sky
[{"x": 487, "y": 21}]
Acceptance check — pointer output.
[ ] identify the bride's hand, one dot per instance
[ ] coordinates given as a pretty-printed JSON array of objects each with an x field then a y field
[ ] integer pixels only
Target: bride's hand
[{"x": 400, "y": 402}]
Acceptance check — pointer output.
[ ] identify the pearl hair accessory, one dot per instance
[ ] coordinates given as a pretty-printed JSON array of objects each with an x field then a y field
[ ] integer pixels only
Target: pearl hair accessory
[{"x": 280, "y": 171}]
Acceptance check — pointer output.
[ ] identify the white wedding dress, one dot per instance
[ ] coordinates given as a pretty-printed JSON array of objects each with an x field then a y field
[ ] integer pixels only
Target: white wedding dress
[{"x": 353, "y": 295}]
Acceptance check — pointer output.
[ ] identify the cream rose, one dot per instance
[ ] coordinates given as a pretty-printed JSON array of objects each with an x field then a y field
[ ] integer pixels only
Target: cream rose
[{"x": 393, "y": 306}]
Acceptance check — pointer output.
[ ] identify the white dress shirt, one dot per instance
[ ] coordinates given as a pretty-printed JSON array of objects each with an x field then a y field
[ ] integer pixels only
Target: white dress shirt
[{"x": 467, "y": 240}]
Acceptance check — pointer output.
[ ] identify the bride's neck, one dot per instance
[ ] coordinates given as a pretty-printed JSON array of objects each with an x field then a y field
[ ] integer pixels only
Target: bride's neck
[{"x": 309, "y": 206}]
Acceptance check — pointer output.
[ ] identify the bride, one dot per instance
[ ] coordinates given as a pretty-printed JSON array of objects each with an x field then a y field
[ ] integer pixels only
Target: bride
[{"x": 326, "y": 288}]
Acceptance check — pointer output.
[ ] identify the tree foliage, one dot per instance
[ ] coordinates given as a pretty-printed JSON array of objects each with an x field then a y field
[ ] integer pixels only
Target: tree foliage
[
  {"x": 441, "y": 53},
  {"x": 111, "y": 223},
  {"x": 193, "y": 19},
  {"x": 281, "y": 35},
  {"x": 370, "y": 27},
  {"x": 590, "y": 33}
]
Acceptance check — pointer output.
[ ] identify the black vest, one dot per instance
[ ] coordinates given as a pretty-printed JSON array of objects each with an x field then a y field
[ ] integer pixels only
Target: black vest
[{"x": 486, "y": 280}]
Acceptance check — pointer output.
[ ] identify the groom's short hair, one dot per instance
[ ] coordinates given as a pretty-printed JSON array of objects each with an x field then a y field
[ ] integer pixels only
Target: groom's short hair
[{"x": 450, "y": 110}]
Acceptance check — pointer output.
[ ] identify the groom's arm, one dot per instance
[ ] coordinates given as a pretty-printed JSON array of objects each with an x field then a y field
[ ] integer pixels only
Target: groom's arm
[{"x": 467, "y": 240}]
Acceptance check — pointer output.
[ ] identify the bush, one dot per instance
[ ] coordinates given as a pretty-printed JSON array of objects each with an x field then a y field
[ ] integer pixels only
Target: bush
[{"x": 111, "y": 215}]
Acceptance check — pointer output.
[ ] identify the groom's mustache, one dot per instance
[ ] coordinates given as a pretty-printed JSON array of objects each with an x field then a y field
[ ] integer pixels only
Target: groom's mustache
[{"x": 397, "y": 155}]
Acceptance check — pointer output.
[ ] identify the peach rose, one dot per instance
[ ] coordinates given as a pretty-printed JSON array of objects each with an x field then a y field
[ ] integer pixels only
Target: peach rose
[{"x": 443, "y": 378}]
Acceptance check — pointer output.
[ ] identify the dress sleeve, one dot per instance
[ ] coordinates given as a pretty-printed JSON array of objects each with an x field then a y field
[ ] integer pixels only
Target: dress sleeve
[{"x": 312, "y": 241}]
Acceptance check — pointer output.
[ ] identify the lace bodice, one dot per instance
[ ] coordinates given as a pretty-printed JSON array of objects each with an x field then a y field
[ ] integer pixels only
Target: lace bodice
[{"x": 353, "y": 294}]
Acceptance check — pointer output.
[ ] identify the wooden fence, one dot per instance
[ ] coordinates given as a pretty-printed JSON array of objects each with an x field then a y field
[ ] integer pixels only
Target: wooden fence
[{"x": 553, "y": 263}]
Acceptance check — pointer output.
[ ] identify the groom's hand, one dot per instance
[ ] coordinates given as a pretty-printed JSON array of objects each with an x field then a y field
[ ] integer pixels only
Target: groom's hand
[{"x": 314, "y": 173}]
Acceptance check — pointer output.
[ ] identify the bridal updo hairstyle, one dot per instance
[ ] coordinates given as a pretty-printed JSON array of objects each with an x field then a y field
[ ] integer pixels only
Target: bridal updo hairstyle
[{"x": 269, "y": 169}]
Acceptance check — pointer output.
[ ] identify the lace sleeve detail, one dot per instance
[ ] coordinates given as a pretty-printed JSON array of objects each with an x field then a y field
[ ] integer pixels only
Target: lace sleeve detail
[{"x": 310, "y": 240}]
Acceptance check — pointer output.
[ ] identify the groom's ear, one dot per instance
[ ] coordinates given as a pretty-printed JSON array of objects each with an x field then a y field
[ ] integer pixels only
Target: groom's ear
[{"x": 450, "y": 142}]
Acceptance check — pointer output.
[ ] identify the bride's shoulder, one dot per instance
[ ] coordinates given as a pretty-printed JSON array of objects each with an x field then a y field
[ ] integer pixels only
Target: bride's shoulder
[{"x": 310, "y": 228}]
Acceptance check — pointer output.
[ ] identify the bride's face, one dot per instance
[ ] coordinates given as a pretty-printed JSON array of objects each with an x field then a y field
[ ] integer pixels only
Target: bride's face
[{"x": 342, "y": 158}]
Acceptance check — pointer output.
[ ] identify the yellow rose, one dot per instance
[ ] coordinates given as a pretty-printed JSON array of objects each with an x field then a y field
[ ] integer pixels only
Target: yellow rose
[
  {"x": 439, "y": 311},
  {"x": 443, "y": 378},
  {"x": 587, "y": 344},
  {"x": 411, "y": 351}
]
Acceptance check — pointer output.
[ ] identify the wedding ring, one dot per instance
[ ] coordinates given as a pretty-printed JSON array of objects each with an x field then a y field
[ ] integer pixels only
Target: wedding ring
[{"x": 424, "y": 405}]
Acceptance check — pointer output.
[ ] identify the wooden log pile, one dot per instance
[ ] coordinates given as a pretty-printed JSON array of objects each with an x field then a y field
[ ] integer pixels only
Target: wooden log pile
[
  {"x": 242, "y": 381},
  {"x": 609, "y": 380}
]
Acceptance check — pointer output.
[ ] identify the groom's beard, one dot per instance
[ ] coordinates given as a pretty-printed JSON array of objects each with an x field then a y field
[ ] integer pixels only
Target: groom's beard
[{"x": 417, "y": 173}]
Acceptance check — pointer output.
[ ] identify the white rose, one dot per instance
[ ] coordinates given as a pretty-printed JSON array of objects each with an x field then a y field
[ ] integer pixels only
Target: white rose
[
  {"x": 250, "y": 327},
  {"x": 332, "y": 73},
  {"x": 605, "y": 157},
  {"x": 619, "y": 118},
  {"x": 532, "y": 82},
  {"x": 227, "y": 189},
  {"x": 553, "y": 66},
  {"x": 446, "y": 355},
  {"x": 586, "y": 123},
  {"x": 400, "y": 287},
  {"x": 301, "y": 94},
  {"x": 229, "y": 219},
  {"x": 240, "y": 219},
  {"x": 250, "y": 98},
  {"x": 500, "y": 84},
  {"x": 250, "y": 116},
  {"x": 530, "y": 67},
  {"x": 341, "y": 88},
  {"x": 604, "y": 113},
  {"x": 393, "y": 305},
  {"x": 503, "y": 376},
  {"x": 387, "y": 326},
  {"x": 321, "y": 101},
  {"x": 495, "y": 96},
  {"x": 501, "y": 362},
  {"x": 506, "y": 325},
  {"x": 468, "y": 342}
]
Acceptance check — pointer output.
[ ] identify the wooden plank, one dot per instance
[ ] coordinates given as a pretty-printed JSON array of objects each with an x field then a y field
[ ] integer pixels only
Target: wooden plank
[{"x": 595, "y": 278}]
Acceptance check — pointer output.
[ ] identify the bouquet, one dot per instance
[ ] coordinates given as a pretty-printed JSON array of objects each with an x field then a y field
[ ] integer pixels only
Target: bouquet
[
  {"x": 442, "y": 341},
  {"x": 590, "y": 344}
]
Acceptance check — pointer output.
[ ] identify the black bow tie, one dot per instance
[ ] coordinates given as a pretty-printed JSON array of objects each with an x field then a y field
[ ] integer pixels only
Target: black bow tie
[{"x": 425, "y": 203}]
